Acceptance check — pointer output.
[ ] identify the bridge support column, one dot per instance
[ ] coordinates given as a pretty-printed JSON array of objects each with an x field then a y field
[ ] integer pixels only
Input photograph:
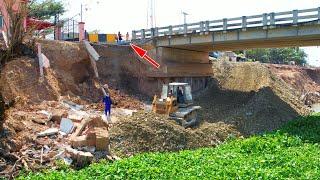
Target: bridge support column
[{"x": 182, "y": 63}]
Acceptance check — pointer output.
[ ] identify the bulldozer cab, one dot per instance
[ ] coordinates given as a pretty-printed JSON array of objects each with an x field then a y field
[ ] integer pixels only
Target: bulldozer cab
[{"x": 181, "y": 91}]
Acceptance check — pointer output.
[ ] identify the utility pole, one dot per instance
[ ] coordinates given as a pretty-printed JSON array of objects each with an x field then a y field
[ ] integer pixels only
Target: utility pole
[
  {"x": 185, "y": 17},
  {"x": 81, "y": 12},
  {"x": 151, "y": 18}
]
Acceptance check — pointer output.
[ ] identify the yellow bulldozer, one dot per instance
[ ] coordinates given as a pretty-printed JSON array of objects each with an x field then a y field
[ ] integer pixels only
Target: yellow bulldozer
[{"x": 176, "y": 102}]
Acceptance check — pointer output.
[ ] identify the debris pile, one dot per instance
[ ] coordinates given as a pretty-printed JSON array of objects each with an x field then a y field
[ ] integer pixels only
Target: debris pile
[
  {"x": 41, "y": 134},
  {"x": 145, "y": 132}
]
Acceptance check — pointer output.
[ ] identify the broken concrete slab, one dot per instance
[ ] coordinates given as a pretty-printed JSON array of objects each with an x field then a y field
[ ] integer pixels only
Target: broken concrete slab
[
  {"x": 72, "y": 105},
  {"x": 77, "y": 115},
  {"x": 81, "y": 158},
  {"x": 80, "y": 128},
  {"x": 66, "y": 126},
  {"x": 48, "y": 132}
]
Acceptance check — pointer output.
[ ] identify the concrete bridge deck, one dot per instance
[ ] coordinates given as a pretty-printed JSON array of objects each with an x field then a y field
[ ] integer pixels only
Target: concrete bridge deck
[{"x": 283, "y": 29}]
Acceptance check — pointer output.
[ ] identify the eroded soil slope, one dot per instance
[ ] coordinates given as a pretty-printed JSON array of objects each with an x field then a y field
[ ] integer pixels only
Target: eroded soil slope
[
  {"x": 251, "y": 97},
  {"x": 306, "y": 81}
]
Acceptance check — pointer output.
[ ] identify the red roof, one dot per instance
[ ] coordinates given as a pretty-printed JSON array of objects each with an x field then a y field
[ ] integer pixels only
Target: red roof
[{"x": 38, "y": 24}]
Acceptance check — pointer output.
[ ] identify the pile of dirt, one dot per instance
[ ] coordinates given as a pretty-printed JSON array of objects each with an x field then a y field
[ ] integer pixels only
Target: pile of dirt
[
  {"x": 21, "y": 79},
  {"x": 149, "y": 132},
  {"x": 306, "y": 81},
  {"x": 251, "y": 97}
]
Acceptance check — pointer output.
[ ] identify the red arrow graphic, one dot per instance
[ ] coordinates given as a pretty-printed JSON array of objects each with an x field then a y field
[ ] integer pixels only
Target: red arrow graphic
[{"x": 143, "y": 54}]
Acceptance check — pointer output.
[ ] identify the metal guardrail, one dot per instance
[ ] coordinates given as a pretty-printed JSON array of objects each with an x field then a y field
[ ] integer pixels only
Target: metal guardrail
[{"x": 263, "y": 20}]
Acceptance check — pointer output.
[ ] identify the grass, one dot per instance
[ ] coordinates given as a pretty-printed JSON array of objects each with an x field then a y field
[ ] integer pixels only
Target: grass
[{"x": 290, "y": 153}]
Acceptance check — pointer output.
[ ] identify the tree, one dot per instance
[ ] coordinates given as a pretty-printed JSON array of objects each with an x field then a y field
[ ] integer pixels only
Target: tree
[
  {"x": 46, "y": 9},
  {"x": 17, "y": 12},
  {"x": 278, "y": 55}
]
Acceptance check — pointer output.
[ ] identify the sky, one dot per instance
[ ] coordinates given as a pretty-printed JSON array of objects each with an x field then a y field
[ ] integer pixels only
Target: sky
[{"x": 111, "y": 16}]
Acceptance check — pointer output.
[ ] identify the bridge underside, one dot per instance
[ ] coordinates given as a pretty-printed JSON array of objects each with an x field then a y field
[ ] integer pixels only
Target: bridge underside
[{"x": 240, "y": 39}]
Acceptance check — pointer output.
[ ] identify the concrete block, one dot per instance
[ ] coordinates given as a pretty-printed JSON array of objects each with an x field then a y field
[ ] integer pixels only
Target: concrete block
[
  {"x": 48, "y": 132},
  {"x": 80, "y": 158},
  {"x": 85, "y": 140},
  {"x": 102, "y": 139},
  {"x": 66, "y": 125}
]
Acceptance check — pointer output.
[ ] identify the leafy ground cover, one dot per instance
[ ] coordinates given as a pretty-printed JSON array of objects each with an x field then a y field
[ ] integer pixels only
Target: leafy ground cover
[{"x": 292, "y": 152}]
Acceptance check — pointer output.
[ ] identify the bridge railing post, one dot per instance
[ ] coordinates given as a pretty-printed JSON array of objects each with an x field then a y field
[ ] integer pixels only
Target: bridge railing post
[
  {"x": 265, "y": 20},
  {"x": 225, "y": 25},
  {"x": 272, "y": 20},
  {"x": 207, "y": 27},
  {"x": 152, "y": 33},
  {"x": 134, "y": 35},
  {"x": 185, "y": 29},
  {"x": 156, "y": 32},
  {"x": 295, "y": 17},
  {"x": 170, "y": 31},
  {"x": 201, "y": 27},
  {"x": 244, "y": 23},
  {"x": 143, "y": 34},
  {"x": 318, "y": 15}
]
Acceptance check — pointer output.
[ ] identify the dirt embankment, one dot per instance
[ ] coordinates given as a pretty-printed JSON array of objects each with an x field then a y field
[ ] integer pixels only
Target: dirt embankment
[
  {"x": 305, "y": 81},
  {"x": 251, "y": 97}
]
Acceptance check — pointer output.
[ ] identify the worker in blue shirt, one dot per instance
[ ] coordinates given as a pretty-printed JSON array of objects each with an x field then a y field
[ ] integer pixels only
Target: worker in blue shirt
[{"x": 107, "y": 102}]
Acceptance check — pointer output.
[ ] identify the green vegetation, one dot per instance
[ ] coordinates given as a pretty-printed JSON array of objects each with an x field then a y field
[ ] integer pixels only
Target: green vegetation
[
  {"x": 292, "y": 152},
  {"x": 278, "y": 55},
  {"x": 46, "y": 9}
]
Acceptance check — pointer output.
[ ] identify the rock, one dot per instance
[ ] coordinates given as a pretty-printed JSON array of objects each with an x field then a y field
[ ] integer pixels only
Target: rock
[
  {"x": 57, "y": 115},
  {"x": 81, "y": 158},
  {"x": 102, "y": 139},
  {"x": 72, "y": 105},
  {"x": 67, "y": 161},
  {"x": 66, "y": 126},
  {"x": 42, "y": 117},
  {"x": 98, "y": 122},
  {"x": 85, "y": 140},
  {"x": 48, "y": 132}
]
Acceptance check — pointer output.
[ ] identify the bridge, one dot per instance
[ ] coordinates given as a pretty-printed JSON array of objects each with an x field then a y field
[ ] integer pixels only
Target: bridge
[
  {"x": 182, "y": 50},
  {"x": 268, "y": 30}
]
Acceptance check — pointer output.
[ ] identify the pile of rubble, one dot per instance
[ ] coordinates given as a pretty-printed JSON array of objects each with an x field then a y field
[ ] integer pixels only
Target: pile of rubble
[{"x": 40, "y": 135}]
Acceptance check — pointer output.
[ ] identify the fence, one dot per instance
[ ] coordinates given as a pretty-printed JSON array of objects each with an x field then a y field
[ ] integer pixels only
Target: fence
[
  {"x": 263, "y": 20},
  {"x": 70, "y": 30}
]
